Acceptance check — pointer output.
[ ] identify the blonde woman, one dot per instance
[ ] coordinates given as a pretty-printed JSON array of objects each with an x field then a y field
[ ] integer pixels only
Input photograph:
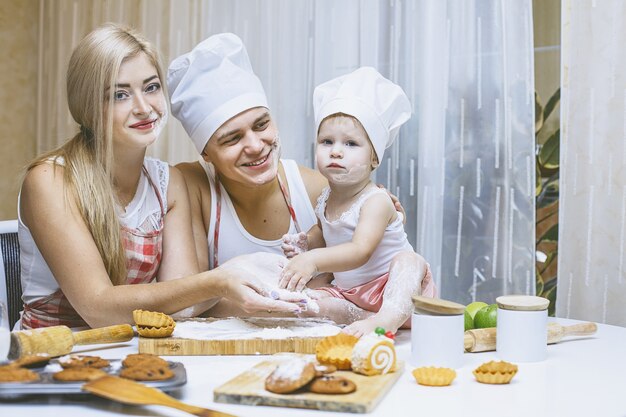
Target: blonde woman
[{"x": 99, "y": 221}]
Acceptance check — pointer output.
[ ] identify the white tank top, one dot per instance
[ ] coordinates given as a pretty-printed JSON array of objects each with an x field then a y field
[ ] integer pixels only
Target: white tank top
[
  {"x": 341, "y": 231},
  {"x": 142, "y": 213},
  {"x": 234, "y": 239}
]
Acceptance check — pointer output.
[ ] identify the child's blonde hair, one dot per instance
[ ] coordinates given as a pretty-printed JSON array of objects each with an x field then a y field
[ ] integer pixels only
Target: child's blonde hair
[{"x": 87, "y": 157}]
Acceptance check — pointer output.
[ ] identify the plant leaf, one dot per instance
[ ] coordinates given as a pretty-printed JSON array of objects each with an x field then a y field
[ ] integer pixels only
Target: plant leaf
[
  {"x": 538, "y": 282},
  {"x": 549, "y": 154},
  {"x": 547, "y": 213},
  {"x": 550, "y": 293},
  {"x": 539, "y": 119},
  {"x": 552, "y": 103},
  {"x": 549, "y": 268},
  {"x": 549, "y": 284},
  {"x": 538, "y": 178},
  {"x": 552, "y": 234}
]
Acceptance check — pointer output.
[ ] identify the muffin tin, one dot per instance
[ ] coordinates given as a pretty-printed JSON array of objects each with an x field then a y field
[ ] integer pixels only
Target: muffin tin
[{"x": 47, "y": 385}]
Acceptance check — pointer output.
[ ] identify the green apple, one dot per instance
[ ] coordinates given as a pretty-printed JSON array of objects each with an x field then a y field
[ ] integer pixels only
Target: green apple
[
  {"x": 469, "y": 321},
  {"x": 473, "y": 308},
  {"x": 486, "y": 317}
]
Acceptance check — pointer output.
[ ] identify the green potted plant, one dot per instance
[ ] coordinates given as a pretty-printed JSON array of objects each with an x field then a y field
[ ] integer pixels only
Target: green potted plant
[{"x": 547, "y": 136}]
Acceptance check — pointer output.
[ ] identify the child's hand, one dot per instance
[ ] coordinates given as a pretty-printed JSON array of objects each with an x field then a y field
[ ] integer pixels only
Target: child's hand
[
  {"x": 297, "y": 273},
  {"x": 294, "y": 244}
]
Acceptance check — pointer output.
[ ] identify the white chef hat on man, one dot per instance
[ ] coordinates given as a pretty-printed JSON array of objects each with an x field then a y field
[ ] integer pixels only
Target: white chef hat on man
[
  {"x": 380, "y": 105},
  {"x": 211, "y": 84}
]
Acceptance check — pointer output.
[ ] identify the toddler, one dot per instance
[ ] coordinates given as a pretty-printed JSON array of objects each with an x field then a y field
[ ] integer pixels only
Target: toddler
[{"x": 359, "y": 234}]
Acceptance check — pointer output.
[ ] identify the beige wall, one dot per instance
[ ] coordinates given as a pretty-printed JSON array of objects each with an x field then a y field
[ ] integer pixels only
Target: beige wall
[
  {"x": 547, "y": 31},
  {"x": 18, "y": 96}
]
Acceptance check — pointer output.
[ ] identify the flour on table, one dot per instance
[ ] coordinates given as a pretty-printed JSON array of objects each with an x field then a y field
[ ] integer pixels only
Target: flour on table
[{"x": 235, "y": 328}]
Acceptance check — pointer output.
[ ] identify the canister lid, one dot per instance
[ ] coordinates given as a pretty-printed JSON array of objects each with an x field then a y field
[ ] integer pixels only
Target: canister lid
[
  {"x": 437, "y": 306},
  {"x": 522, "y": 302}
]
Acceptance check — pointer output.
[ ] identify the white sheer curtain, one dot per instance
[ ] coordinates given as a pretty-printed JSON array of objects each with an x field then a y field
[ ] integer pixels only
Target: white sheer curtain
[
  {"x": 463, "y": 166},
  {"x": 475, "y": 107},
  {"x": 592, "y": 224}
]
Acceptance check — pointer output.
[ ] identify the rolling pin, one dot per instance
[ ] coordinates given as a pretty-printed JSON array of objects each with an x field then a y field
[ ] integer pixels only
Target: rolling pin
[
  {"x": 59, "y": 340},
  {"x": 483, "y": 340}
]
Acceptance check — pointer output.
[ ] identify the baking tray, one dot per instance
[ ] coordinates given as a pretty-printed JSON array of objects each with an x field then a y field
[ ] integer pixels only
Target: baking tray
[{"x": 47, "y": 385}]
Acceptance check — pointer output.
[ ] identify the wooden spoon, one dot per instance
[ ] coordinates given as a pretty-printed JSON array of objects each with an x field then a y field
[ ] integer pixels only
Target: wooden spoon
[{"x": 131, "y": 392}]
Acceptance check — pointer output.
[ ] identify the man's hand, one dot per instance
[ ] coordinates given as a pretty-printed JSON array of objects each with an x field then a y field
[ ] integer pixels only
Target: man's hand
[
  {"x": 249, "y": 282},
  {"x": 396, "y": 202}
]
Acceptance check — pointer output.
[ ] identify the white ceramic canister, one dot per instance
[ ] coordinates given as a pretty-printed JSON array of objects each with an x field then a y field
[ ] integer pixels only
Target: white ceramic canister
[
  {"x": 522, "y": 328},
  {"x": 437, "y": 328}
]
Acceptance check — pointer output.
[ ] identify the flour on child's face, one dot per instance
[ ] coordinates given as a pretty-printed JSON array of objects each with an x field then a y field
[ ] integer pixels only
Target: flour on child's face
[
  {"x": 343, "y": 152},
  {"x": 354, "y": 175}
]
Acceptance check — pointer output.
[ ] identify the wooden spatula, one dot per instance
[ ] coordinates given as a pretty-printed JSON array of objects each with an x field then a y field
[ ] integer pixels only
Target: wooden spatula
[{"x": 131, "y": 392}]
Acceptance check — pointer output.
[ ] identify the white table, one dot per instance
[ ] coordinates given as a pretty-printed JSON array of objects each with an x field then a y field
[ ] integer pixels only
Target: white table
[{"x": 581, "y": 377}]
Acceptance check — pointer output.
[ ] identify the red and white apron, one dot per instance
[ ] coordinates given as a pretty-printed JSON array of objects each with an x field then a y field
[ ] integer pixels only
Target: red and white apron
[{"x": 143, "y": 257}]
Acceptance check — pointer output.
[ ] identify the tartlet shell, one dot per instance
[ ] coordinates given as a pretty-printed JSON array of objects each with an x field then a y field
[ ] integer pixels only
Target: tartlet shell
[
  {"x": 336, "y": 350},
  {"x": 493, "y": 372},
  {"x": 152, "y": 319},
  {"x": 155, "y": 332},
  {"x": 434, "y": 377}
]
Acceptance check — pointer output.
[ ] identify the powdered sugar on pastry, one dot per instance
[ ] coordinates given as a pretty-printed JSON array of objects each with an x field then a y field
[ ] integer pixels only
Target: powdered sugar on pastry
[{"x": 290, "y": 370}]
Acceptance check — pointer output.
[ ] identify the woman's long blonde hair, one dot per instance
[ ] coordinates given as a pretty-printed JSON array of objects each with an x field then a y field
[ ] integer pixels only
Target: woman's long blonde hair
[{"x": 87, "y": 157}]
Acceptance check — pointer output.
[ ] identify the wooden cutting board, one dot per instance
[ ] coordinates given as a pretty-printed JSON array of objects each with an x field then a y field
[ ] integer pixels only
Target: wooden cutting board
[
  {"x": 248, "y": 388},
  {"x": 244, "y": 346}
]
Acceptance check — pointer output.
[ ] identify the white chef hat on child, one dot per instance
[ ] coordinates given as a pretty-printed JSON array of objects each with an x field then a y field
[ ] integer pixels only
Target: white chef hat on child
[
  {"x": 380, "y": 105},
  {"x": 211, "y": 84}
]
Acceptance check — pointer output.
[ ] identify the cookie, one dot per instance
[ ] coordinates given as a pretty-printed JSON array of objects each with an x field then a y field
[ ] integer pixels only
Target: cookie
[
  {"x": 324, "y": 369},
  {"x": 144, "y": 359},
  {"x": 32, "y": 361},
  {"x": 74, "y": 361},
  {"x": 14, "y": 374},
  {"x": 152, "y": 373},
  {"x": 78, "y": 374},
  {"x": 290, "y": 376},
  {"x": 330, "y": 384}
]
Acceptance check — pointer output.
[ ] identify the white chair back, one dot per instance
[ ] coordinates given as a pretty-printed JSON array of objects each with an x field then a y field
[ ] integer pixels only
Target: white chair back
[{"x": 10, "y": 285}]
